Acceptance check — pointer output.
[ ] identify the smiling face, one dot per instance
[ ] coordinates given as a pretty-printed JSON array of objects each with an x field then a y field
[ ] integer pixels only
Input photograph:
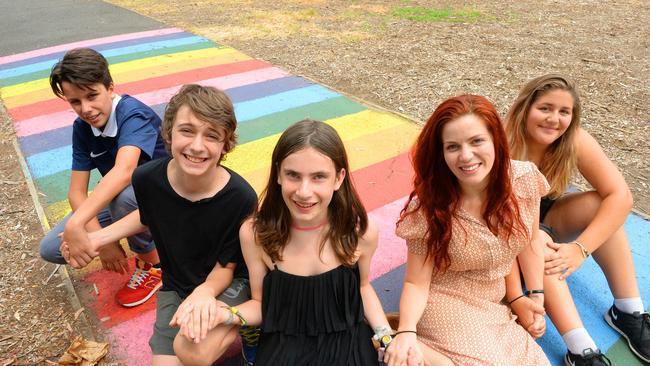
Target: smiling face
[
  {"x": 197, "y": 146},
  {"x": 308, "y": 180},
  {"x": 549, "y": 117},
  {"x": 93, "y": 103},
  {"x": 469, "y": 151}
]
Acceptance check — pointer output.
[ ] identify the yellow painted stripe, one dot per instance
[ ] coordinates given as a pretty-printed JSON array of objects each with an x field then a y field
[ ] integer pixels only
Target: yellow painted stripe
[
  {"x": 37, "y": 90},
  {"x": 257, "y": 154},
  {"x": 57, "y": 211},
  {"x": 362, "y": 151},
  {"x": 369, "y": 136}
]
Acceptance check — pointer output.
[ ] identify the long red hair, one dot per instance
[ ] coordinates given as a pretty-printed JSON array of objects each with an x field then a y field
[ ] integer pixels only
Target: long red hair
[{"x": 437, "y": 189}]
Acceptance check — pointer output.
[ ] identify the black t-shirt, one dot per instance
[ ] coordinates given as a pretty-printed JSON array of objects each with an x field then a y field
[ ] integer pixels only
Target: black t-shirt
[{"x": 191, "y": 237}]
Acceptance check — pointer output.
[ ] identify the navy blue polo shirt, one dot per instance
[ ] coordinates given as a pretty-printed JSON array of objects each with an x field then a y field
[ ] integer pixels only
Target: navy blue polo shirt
[{"x": 131, "y": 123}]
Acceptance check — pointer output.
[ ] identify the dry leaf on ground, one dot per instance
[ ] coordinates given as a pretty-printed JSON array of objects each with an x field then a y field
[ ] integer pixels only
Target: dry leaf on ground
[{"x": 83, "y": 353}]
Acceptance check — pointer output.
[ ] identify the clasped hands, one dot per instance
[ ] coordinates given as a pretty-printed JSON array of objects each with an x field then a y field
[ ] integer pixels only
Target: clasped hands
[
  {"x": 198, "y": 314},
  {"x": 530, "y": 314},
  {"x": 78, "y": 248},
  {"x": 404, "y": 351}
]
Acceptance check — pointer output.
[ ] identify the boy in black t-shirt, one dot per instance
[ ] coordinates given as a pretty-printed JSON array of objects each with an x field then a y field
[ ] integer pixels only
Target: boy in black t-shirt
[{"x": 193, "y": 207}]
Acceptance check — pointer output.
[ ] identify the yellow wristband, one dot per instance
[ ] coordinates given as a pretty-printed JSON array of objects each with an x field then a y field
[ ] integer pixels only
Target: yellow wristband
[{"x": 236, "y": 312}]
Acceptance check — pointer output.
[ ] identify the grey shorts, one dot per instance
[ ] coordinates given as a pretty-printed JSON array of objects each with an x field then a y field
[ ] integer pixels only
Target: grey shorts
[{"x": 162, "y": 339}]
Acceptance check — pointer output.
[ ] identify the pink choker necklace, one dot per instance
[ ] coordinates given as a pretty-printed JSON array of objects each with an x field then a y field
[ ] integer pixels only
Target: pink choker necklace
[{"x": 307, "y": 228}]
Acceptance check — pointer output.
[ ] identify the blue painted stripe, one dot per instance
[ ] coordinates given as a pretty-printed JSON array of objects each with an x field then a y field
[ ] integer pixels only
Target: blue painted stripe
[
  {"x": 102, "y": 47},
  {"x": 47, "y": 64},
  {"x": 50, "y": 162},
  {"x": 279, "y": 102},
  {"x": 58, "y": 159}
]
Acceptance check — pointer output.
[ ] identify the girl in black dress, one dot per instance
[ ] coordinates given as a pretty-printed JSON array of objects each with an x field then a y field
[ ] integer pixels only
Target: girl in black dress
[{"x": 308, "y": 252}]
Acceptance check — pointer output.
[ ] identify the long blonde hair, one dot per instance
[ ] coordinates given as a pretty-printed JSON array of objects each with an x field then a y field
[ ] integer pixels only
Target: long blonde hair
[{"x": 560, "y": 159}]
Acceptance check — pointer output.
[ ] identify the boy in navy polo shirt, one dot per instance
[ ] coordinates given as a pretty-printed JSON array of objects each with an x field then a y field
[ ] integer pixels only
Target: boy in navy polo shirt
[{"x": 114, "y": 134}]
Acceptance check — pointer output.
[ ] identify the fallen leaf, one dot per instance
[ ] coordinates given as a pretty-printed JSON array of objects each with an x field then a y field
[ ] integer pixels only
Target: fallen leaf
[
  {"x": 78, "y": 312},
  {"x": 83, "y": 353},
  {"x": 17, "y": 316}
]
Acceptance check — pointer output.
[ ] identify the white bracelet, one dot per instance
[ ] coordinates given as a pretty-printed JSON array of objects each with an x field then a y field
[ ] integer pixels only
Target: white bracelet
[{"x": 231, "y": 318}]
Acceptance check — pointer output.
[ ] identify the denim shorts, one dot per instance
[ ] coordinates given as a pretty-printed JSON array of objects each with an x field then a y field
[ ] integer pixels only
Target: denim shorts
[{"x": 544, "y": 207}]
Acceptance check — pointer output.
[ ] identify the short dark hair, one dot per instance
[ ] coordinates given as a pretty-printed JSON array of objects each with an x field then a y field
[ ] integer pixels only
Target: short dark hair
[{"x": 81, "y": 67}]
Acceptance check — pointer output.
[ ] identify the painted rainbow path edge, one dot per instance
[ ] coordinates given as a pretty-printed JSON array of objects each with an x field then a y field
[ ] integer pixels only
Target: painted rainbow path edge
[{"x": 152, "y": 66}]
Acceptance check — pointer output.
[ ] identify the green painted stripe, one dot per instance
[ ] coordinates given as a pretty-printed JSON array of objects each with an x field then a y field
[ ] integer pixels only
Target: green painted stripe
[
  {"x": 277, "y": 122},
  {"x": 55, "y": 186},
  {"x": 620, "y": 354},
  {"x": 36, "y": 75}
]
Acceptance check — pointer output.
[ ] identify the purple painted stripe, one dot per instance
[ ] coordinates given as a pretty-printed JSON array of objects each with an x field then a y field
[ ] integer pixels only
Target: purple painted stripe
[
  {"x": 88, "y": 43},
  {"x": 103, "y": 47}
]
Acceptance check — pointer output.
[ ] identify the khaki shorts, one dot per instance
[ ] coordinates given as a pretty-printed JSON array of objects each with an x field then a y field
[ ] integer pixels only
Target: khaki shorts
[{"x": 162, "y": 339}]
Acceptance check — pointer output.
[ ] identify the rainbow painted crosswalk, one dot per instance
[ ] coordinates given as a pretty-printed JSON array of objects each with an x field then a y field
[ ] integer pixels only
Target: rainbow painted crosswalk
[{"x": 152, "y": 66}]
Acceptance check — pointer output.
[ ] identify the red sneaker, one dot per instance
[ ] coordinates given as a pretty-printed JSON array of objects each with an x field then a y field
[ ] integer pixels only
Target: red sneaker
[{"x": 145, "y": 281}]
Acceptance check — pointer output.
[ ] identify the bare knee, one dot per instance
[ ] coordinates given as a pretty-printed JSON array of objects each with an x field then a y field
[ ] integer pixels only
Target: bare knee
[
  {"x": 191, "y": 354},
  {"x": 541, "y": 240}
]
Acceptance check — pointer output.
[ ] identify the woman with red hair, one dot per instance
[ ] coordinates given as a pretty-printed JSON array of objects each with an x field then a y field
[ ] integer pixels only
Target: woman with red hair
[{"x": 471, "y": 218}]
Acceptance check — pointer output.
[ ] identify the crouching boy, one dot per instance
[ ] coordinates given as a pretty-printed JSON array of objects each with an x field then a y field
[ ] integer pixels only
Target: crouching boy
[
  {"x": 113, "y": 134},
  {"x": 193, "y": 207}
]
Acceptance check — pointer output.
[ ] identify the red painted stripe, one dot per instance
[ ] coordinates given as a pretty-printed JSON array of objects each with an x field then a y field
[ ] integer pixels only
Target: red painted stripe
[
  {"x": 142, "y": 86},
  {"x": 384, "y": 182},
  {"x": 103, "y": 304}
]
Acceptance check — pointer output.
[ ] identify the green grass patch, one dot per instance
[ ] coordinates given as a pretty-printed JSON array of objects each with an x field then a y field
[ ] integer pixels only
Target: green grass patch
[{"x": 422, "y": 14}]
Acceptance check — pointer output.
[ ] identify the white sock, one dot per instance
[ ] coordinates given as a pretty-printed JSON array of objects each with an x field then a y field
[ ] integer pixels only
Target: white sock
[
  {"x": 629, "y": 305},
  {"x": 578, "y": 340}
]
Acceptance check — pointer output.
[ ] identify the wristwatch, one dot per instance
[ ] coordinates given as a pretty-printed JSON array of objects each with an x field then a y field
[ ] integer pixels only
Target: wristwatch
[{"x": 385, "y": 340}]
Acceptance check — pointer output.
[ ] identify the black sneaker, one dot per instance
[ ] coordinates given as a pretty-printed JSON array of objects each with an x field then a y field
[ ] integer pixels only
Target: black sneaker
[
  {"x": 634, "y": 327},
  {"x": 588, "y": 357}
]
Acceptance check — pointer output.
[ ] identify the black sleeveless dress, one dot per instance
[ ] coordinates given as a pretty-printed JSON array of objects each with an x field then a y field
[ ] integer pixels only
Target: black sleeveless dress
[{"x": 314, "y": 320}]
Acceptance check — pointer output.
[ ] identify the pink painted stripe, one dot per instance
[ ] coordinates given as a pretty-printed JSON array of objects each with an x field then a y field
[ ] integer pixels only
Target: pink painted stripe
[
  {"x": 391, "y": 251},
  {"x": 44, "y": 123},
  {"x": 87, "y": 43},
  {"x": 130, "y": 340}
]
